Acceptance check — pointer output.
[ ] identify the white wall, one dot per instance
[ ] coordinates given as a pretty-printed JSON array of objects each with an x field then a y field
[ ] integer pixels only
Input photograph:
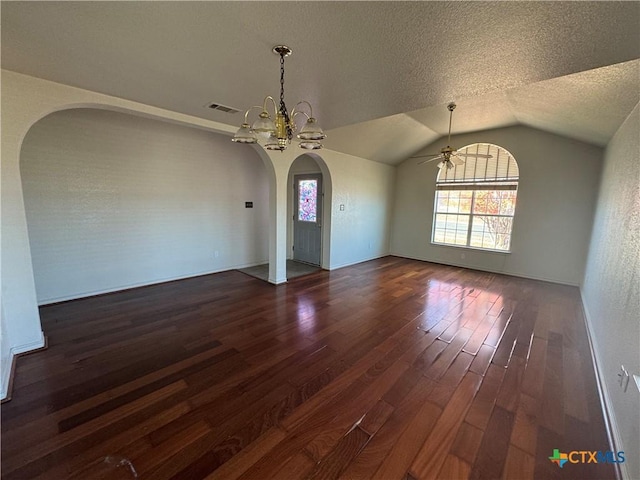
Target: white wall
[
  {"x": 362, "y": 230},
  {"x": 554, "y": 212},
  {"x": 115, "y": 201},
  {"x": 611, "y": 289}
]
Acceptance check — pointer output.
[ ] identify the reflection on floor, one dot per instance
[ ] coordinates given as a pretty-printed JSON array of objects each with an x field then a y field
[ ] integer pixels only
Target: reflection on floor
[
  {"x": 294, "y": 269},
  {"x": 388, "y": 369}
]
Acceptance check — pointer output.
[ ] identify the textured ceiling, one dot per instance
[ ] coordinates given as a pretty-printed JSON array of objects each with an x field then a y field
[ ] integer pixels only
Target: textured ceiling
[{"x": 379, "y": 74}]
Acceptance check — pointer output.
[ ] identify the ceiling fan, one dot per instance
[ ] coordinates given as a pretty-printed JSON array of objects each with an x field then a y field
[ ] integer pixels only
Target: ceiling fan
[{"x": 448, "y": 156}]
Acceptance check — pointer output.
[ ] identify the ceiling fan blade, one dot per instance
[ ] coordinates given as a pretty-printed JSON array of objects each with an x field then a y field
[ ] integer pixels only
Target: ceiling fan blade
[
  {"x": 427, "y": 155},
  {"x": 456, "y": 160},
  {"x": 479, "y": 155},
  {"x": 439, "y": 157}
]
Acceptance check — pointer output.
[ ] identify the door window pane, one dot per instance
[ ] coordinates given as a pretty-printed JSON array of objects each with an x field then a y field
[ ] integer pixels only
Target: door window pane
[{"x": 307, "y": 200}]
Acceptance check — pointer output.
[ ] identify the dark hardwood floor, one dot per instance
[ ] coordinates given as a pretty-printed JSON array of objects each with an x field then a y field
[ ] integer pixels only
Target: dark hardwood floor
[{"x": 390, "y": 369}]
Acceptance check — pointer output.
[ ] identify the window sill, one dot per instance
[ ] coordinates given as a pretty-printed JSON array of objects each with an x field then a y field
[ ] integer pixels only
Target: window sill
[{"x": 476, "y": 249}]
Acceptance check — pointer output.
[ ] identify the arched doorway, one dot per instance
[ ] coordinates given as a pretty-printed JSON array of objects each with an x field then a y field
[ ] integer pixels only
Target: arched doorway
[
  {"x": 308, "y": 212},
  {"x": 115, "y": 201}
]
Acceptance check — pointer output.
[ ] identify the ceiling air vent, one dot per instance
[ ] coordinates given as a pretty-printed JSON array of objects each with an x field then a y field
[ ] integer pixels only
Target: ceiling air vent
[{"x": 222, "y": 108}]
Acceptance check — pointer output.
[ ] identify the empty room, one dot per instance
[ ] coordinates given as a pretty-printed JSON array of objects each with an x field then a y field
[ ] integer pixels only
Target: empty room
[{"x": 339, "y": 240}]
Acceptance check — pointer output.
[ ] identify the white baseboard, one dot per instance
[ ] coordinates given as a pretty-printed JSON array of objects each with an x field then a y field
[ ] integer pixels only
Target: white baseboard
[
  {"x": 489, "y": 270},
  {"x": 93, "y": 293},
  {"x": 7, "y": 367},
  {"x": 348, "y": 264},
  {"x": 27, "y": 347},
  {"x": 8, "y": 363},
  {"x": 611, "y": 425}
]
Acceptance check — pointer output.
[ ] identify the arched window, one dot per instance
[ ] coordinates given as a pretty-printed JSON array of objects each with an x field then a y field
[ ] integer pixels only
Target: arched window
[{"x": 475, "y": 201}]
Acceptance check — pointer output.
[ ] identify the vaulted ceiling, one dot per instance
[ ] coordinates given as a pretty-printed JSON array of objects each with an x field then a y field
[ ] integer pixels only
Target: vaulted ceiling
[{"x": 379, "y": 74}]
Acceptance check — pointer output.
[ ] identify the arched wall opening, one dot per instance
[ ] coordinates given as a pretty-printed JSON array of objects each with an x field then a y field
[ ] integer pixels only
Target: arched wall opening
[
  {"x": 115, "y": 200},
  {"x": 26, "y": 100},
  {"x": 311, "y": 163}
]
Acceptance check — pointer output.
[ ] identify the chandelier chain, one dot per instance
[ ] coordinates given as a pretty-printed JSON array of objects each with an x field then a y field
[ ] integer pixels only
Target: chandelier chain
[{"x": 283, "y": 107}]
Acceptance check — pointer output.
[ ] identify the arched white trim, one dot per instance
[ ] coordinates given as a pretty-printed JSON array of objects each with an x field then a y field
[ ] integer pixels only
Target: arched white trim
[
  {"x": 25, "y": 101},
  {"x": 327, "y": 187}
]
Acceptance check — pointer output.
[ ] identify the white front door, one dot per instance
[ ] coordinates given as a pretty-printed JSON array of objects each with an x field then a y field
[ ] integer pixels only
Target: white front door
[{"x": 307, "y": 218}]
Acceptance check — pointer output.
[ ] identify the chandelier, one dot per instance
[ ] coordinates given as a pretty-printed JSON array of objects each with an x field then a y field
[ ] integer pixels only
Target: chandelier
[{"x": 275, "y": 130}]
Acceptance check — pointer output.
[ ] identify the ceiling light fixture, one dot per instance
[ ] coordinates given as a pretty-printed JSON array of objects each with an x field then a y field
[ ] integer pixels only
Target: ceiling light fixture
[
  {"x": 276, "y": 132},
  {"x": 449, "y": 157}
]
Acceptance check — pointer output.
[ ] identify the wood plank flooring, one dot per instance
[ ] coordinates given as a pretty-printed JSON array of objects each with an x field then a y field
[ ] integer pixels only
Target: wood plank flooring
[{"x": 390, "y": 369}]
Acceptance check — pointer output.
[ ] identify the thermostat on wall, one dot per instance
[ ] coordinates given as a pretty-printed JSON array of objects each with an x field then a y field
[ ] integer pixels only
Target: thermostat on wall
[{"x": 248, "y": 204}]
